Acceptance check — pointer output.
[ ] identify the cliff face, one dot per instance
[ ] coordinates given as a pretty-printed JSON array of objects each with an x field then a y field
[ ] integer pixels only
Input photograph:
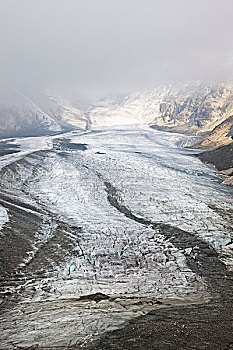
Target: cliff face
[
  {"x": 221, "y": 135},
  {"x": 196, "y": 110}
]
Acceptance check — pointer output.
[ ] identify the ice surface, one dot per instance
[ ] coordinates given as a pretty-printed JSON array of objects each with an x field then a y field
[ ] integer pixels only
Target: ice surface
[
  {"x": 27, "y": 145},
  {"x": 160, "y": 181},
  {"x": 3, "y": 216},
  {"x": 131, "y": 263}
]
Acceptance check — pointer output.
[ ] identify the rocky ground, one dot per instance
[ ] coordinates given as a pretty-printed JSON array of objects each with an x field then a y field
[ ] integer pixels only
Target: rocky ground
[{"x": 186, "y": 327}]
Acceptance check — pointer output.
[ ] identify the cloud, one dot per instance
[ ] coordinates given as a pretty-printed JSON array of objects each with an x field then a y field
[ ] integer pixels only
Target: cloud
[{"x": 114, "y": 44}]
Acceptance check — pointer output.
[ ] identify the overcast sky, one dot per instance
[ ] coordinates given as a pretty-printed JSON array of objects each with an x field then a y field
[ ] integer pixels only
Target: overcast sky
[{"x": 114, "y": 44}]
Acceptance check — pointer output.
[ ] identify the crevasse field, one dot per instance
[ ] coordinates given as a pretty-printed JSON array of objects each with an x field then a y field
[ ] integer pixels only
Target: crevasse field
[{"x": 104, "y": 200}]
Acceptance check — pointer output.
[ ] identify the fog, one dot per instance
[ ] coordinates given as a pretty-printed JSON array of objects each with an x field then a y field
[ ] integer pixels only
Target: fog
[{"x": 111, "y": 45}]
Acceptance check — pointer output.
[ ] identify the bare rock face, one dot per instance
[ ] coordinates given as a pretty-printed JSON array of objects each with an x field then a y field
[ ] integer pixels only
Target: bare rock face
[
  {"x": 221, "y": 135},
  {"x": 196, "y": 109},
  {"x": 228, "y": 181}
]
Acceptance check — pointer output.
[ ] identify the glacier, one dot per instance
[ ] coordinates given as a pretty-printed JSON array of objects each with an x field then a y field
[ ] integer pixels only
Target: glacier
[
  {"x": 105, "y": 200},
  {"x": 3, "y": 217}
]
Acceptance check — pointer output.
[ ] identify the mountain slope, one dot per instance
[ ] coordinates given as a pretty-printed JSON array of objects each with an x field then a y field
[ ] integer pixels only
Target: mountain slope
[
  {"x": 195, "y": 109},
  {"x": 20, "y": 115},
  {"x": 62, "y": 109},
  {"x": 221, "y": 135},
  {"x": 222, "y": 159}
]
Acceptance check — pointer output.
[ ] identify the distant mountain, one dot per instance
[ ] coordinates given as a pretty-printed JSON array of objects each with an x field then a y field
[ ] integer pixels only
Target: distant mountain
[
  {"x": 195, "y": 109},
  {"x": 221, "y": 135},
  {"x": 40, "y": 113},
  {"x": 19, "y": 115},
  {"x": 66, "y": 111}
]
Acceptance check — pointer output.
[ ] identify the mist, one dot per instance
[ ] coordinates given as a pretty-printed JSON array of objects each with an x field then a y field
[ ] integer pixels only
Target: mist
[{"x": 114, "y": 45}]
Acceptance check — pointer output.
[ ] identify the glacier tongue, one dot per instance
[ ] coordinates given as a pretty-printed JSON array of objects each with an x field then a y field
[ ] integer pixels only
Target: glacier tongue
[{"x": 102, "y": 191}]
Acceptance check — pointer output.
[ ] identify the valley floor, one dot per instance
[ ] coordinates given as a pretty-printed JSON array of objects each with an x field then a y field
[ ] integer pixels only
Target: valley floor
[{"x": 114, "y": 239}]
